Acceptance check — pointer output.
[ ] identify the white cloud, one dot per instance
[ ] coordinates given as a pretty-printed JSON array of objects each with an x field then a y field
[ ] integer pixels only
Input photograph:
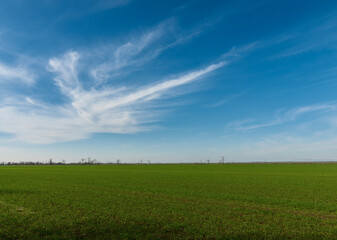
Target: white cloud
[
  {"x": 154, "y": 90},
  {"x": 135, "y": 52},
  {"x": 288, "y": 116},
  {"x": 93, "y": 110},
  {"x": 18, "y": 73},
  {"x": 142, "y": 48},
  {"x": 317, "y": 34},
  {"x": 225, "y": 100},
  {"x": 65, "y": 68},
  {"x": 91, "y": 101}
]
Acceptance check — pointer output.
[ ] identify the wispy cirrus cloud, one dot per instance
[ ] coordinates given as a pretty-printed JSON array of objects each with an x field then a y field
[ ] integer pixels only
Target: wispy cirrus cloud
[
  {"x": 280, "y": 118},
  {"x": 305, "y": 37},
  {"x": 117, "y": 60},
  {"x": 91, "y": 101},
  {"x": 15, "y": 73},
  {"x": 109, "y": 110},
  {"x": 321, "y": 34},
  {"x": 224, "y": 100}
]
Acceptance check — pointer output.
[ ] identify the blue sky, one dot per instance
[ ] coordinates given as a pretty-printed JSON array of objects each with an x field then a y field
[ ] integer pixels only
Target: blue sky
[{"x": 168, "y": 81}]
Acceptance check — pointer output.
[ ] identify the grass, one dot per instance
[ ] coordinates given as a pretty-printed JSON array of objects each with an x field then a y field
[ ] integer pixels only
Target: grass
[{"x": 239, "y": 201}]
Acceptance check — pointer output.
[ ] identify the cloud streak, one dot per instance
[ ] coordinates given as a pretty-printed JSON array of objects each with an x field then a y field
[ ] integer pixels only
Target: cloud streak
[
  {"x": 117, "y": 60},
  {"x": 18, "y": 73},
  {"x": 303, "y": 38},
  {"x": 224, "y": 101},
  {"x": 288, "y": 116}
]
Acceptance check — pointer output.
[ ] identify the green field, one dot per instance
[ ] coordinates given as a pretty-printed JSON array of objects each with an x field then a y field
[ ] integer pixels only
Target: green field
[{"x": 237, "y": 201}]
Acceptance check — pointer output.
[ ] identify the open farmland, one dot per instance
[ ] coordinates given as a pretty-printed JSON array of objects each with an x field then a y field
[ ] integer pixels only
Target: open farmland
[{"x": 238, "y": 201}]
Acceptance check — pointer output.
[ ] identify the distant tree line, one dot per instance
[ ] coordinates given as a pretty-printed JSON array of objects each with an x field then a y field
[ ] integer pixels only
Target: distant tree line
[
  {"x": 83, "y": 161},
  {"x": 94, "y": 161}
]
